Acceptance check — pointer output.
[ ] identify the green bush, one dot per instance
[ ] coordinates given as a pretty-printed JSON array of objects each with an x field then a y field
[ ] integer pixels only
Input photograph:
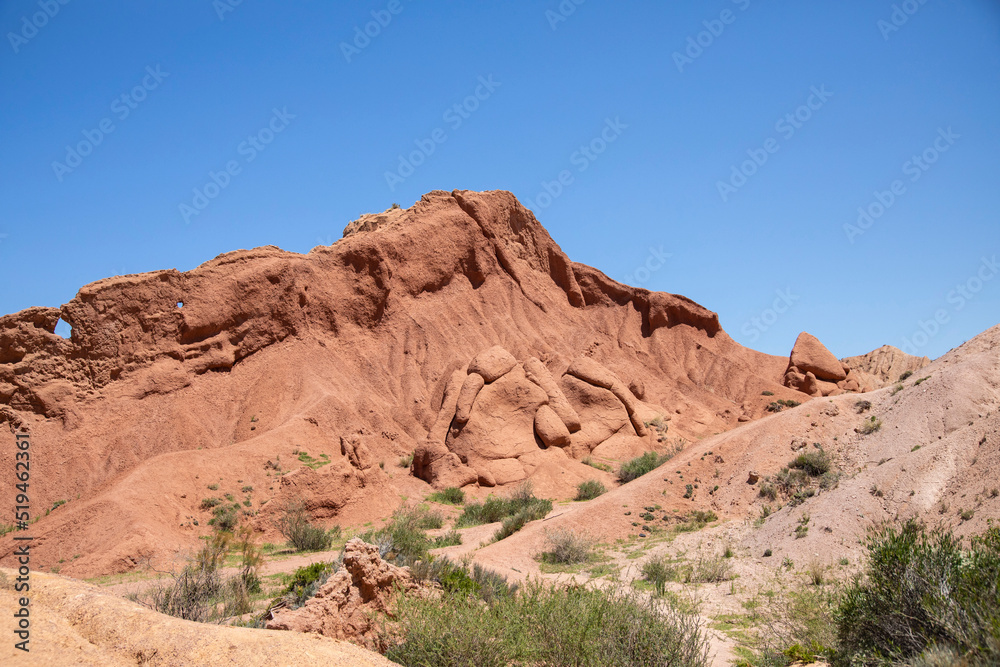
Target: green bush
[
  {"x": 403, "y": 538},
  {"x": 905, "y": 375},
  {"x": 449, "y": 496},
  {"x": 923, "y": 591},
  {"x": 209, "y": 503},
  {"x": 225, "y": 517},
  {"x": 589, "y": 490},
  {"x": 813, "y": 463},
  {"x": 449, "y": 539},
  {"x": 305, "y": 582},
  {"x": 658, "y": 570},
  {"x": 546, "y": 626},
  {"x": 522, "y": 503},
  {"x": 294, "y": 524},
  {"x": 778, "y": 405},
  {"x": 640, "y": 465}
]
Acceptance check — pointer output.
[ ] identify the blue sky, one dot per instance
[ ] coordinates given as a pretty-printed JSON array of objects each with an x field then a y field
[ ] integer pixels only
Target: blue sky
[{"x": 720, "y": 150}]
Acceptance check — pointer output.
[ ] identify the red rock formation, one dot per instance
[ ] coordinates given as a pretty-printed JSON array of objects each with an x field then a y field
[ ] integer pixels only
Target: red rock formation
[{"x": 274, "y": 354}]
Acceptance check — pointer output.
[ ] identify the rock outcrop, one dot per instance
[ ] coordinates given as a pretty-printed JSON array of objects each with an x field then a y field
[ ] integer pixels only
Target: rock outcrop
[
  {"x": 814, "y": 370},
  {"x": 884, "y": 366},
  {"x": 507, "y": 420},
  {"x": 348, "y": 605},
  {"x": 262, "y": 362}
]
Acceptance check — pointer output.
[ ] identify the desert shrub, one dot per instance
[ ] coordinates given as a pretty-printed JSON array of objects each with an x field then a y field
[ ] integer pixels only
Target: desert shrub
[
  {"x": 405, "y": 461},
  {"x": 567, "y": 547},
  {"x": 895, "y": 390},
  {"x": 589, "y": 490},
  {"x": 768, "y": 491},
  {"x": 862, "y": 406},
  {"x": 658, "y": 570},
  {"x": 294, "y": 524},
  {"x": 199, "y": 592},
  {"x": 305, "y": 582},
  {"x": 546, "y": 626},
  {"x": 640, "y": 465},
  {"x": 695, "y": 520},
  {"x": 777, "y": 406},
  {"x": 522, "y": 503},
  {"x": 449, "y": 539},
  {"x": 870, "y": 425},
  {"x": 813, "y": 463},
  {"x": 403, "y": 538},
  {"x": 209, "y": 503},
  {"x": 486, "y": 584},
  {"x": 767, "y": 393},
  {"x": 905, "y": 375},
  {"x": 225, "y": 517},
  {"x": 450, "y": 496},
  {"x": 923, "y": 591},
  {"x": 707, "y": 571},
  {"x": 793, "y": 626}
]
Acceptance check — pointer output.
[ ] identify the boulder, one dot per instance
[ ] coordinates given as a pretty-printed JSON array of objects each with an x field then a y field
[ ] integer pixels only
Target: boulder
[
  {"x": 592, "y": 372},
  {"x": 537, "y": 372},
  {"x": 492, "y": 364},
  {"x": 808, "y": 354},
  {"x": 505, "y": 471},
  {"x": 474, "y": 382},
  {"x": 550, "y": 428}
]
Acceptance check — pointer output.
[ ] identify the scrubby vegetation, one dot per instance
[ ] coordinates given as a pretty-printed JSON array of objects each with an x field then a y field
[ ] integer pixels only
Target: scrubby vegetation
[
  {"x": 589, "y": 490},
  {"x": 813, "y": 464},
  {"x": 404, "y": 539},
  {"x": 595, "y": 464},
  {"x": 566, "y": 547},
  {"x": 870, "y": 425},
  {"x": 923, "y": 593},
  {"x": 448, "y": 496},
  {"x": 515, "y": 511},
  {"x": 199, "y": 592},
  {"x": 543, "y": 625},
  {"x": 640, "y": 465},
  {"x": 295, "y": 525},
  {"x": 779, "y": 405}
]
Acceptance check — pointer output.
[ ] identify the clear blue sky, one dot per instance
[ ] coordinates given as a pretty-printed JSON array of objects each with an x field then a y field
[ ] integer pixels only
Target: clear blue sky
[{"x": 676, "y": 118}]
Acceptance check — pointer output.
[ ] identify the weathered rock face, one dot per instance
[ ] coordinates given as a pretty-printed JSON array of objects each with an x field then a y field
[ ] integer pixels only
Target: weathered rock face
[
  {"x": 173, "y": 380},
  {"x": 519, "y": 411},
  {"x": 348, "y": 604},
  {"x": 882, "y": 367}
]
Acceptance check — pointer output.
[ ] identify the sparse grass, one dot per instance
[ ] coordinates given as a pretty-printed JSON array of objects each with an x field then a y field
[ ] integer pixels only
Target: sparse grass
[
  {"x": 923, "y": 379},
  {"x": 767, "y": 393},
  {"x": 817, "y": 573},
  {"x": 589, "y": 490},
  {"x": 405, "y": 461},
  {"x": 213, "y": 487},
  {"x": 403, "y": 538},
  {"x": 640, "y": 465},
  {"x": 780, "y": 404},
  {"x": 596, "y": 464},
  {"x": 870, "y": 425},
  {"x": 314, "y": 463},
  {"x": 694, "y": 521},
  {"x": 862, "y": 406},
  {"x": 448, "y": 496},
  {"x": 895, "y": 390}
]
